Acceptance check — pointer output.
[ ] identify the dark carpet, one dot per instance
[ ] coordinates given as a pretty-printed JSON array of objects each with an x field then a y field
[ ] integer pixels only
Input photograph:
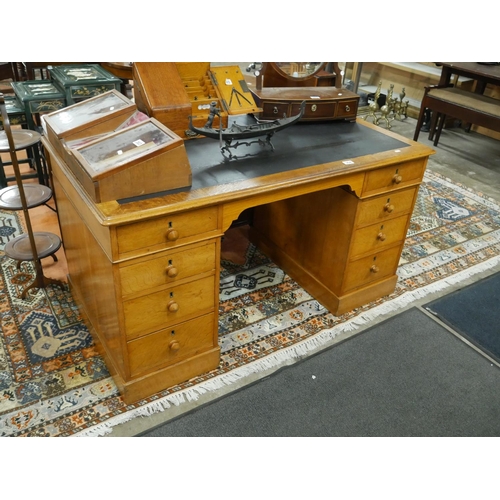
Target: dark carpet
[
  {"x": 474, "y": 313},
  {"x": 407, "y": 376}
]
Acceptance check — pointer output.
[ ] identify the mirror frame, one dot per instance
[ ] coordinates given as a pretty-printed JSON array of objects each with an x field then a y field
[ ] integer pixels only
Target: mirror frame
[{"x": 279, "y": 70}]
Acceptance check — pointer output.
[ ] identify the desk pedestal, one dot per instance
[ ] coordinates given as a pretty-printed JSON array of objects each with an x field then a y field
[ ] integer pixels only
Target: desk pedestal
[{"x": 344, "y": 249}]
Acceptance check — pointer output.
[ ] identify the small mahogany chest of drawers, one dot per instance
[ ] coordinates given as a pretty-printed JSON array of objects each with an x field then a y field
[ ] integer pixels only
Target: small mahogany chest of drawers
[{"x": 322, "y": 103}]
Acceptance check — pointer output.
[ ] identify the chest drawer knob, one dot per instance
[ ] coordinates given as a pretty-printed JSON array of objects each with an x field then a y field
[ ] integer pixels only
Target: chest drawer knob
[
  {"x": 388, "y": 208},
  {"x": 347, "y": 108},
  {"x": 374, "y": 269},
  {"x": 397, "y": 179},
  {"x": 381, "y": 236},
  {"x": 172, "y": 235},
  {"x": 172, "y": 306},
  {"x": 174, "y": 345},
  {"x": 172, "y": 271}
]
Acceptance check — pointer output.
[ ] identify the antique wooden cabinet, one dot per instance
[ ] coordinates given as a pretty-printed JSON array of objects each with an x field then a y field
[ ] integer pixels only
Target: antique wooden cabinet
[{"x": 331, "y": 204}]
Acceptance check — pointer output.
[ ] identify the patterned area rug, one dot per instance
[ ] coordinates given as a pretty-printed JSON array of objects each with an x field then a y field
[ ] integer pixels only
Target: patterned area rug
[{"x": 53, "y": 382}]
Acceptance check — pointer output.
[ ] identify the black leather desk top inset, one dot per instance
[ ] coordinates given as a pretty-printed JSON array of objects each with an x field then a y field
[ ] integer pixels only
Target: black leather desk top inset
[{"x": 301, "y": 145}]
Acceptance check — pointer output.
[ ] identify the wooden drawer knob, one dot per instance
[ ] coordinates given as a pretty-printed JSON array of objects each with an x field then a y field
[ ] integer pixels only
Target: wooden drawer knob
[
  {"x": 388, "y": 208},
  {"x": 172, "y": 234},
  {"x": 172, "y": 306},
  {"x": 397, "y": 179},
  {"x": 174, "y": 345},
  {"x": 374, "y": 269},
  {"x": 381, "y": 236},
  {"x": 172, "y": 271}
]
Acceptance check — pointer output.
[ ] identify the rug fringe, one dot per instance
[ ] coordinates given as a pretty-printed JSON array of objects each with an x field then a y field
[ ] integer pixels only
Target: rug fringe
[{"x": 284, "y": 356}]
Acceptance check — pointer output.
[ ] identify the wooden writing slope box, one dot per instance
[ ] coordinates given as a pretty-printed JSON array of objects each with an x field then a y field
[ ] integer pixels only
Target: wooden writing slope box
[
  {"x": 87, "y": 119},
  {"x": 171, "y": 92},
  {"x": 142, "y": 159}
]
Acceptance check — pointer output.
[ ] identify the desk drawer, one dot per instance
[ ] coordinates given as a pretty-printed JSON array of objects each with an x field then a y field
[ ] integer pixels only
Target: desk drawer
[
  {"x": 347, "y": 108},
  {"x": 167, "y": 268},
  {"x": 164, "y": 232},
  {"x": 274, "y": 110},
  {"x": 161, "y": 309},
  {"x": 171, "y": 345},
  {"x": 393, "y": 177},
  {"x": 387, "y": 206},
  {"x": 315, "y": 110},
  {"x": 369, "y": 269},
  {"x": 377, "y": 236}
]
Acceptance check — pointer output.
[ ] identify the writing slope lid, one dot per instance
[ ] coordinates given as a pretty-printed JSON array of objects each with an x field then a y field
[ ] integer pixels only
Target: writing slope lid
[
  {"x": 235, "y": 94},
  {"x": 127, "y": 147},
  {"x": 82, "y": 114}
]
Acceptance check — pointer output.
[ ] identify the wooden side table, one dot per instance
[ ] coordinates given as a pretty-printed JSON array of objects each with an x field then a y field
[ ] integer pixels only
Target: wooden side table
[{"x": 83, "y": 81}]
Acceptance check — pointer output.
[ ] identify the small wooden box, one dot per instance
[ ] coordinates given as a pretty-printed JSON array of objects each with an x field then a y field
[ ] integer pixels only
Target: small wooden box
[
  {"x": 142, "y": 159},
  {"x": 93, "y": 117},
  {"x": 171, "y": 92}
]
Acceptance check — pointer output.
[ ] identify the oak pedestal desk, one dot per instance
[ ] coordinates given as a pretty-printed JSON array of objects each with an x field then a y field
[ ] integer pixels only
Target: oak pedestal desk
[{"x": 331, "y": 206}]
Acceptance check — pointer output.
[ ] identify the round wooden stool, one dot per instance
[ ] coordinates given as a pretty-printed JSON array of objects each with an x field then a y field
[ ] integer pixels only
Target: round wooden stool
[{"x": 30, "y": 141}]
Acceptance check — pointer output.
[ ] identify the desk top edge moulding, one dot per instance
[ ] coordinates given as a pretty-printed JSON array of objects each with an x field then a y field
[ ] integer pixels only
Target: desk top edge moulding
[{"x": 333, "y": 184}]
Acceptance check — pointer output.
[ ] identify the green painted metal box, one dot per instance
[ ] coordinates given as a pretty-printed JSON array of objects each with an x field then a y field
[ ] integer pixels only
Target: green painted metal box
[{"x": 81, "y": 81}]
